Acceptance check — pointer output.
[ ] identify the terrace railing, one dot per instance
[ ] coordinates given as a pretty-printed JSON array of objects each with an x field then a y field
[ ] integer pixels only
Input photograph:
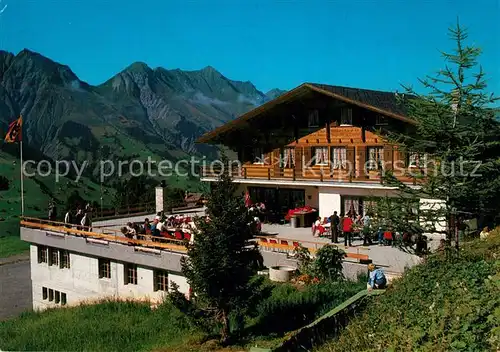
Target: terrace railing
[{"x": 105, "y": 234}]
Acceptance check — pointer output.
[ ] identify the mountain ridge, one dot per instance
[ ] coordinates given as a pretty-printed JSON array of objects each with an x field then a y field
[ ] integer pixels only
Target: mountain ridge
[{"x": 157, "y": 110}]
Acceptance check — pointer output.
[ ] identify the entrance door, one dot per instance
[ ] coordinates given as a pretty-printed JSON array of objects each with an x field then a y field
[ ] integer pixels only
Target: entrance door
[{"x": 277, "y": 200}]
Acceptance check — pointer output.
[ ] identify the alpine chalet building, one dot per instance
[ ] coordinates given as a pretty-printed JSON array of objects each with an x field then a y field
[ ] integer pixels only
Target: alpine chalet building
[{"x": 320, "y": 146}]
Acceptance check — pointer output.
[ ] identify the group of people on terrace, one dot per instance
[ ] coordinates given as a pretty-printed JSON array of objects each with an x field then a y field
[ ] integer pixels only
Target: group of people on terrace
[
  {"x": 351, "y": 225},
  {"x": 178, "y": 227},
  {"x": 81, "y": 217}
]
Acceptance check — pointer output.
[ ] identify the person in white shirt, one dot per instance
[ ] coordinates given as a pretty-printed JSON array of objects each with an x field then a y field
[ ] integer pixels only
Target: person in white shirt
[
  {"x": 484, "y": 234},
  {"x": 316, "y": 227},
  {"x": 68, "y": 218},
  {"x": 86, "y": 225}
]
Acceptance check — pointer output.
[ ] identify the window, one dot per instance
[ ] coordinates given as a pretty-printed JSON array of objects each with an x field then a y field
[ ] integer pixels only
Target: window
[
  {"x": 258, "y": 156},
  {"x": 57, "y": 297},
  {"x": 53, "y": 256},
  {"x": 339, "y": 157},
  {"x": 63, "y": 298},
  {"x": 381, "y": 120},
  {"x": 288, "y": 157},
  {"x": 64, "y": 260},
  {"x": 320, "y": 156},
  {"x": 416, "y": 159},
  {"x": 346, "y": 116},
  {"x": 44, "y": 293},
  {"x": 130, "y": 274},
  {"x": 161, "y": 280},
  {"x": 42, "y": 254},
  {"x": 313, "y": 120},
  {"x": 51, "y": 295},
  {"x": 104, "y": 268},
  {"x": 375, "y": 158}
]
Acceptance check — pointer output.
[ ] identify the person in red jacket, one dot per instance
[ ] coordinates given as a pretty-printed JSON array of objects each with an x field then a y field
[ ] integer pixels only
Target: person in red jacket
[{"x": 347, "y": 229}]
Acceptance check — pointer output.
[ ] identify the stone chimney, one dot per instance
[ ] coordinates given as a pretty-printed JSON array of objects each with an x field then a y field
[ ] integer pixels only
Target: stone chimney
[{"x": 159, "y": 197}]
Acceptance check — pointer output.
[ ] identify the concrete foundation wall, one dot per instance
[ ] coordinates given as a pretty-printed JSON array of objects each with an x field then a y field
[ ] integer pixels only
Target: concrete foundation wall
[{"x": 434, "y": 205}]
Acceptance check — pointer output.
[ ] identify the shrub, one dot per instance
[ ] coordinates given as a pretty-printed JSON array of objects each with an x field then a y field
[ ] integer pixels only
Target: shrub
[
  {"x": 289, "y": 308},
  {"x": 328, "y": 263}
]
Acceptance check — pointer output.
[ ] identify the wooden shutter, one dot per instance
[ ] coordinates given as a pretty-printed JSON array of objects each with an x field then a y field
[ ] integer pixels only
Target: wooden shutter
[
  {"x": 388, "y": 157},
  {"x": 298, "y": 161},
  {"x": 402, "y": 157},
  {"x": 361, "y": 151},
  {"x": 307, "y": 156},
  {"x": 351, "y": 161}
]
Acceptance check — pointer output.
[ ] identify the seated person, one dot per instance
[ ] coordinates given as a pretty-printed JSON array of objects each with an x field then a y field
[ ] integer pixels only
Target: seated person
[
  {"x": 376, "y": 278},
  {"x": 146, "y": 226},
  {"x": 131, "y": 229},
  {"x": 155, "y": 230},
  {"x": 317, "y": 228},
  {"x": 485, "y": 233}
]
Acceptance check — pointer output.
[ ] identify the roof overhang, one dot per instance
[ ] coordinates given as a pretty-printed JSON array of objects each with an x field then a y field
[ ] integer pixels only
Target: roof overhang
[
  {"x": 307, "y": 183},
  {"x": 295, "y": 93}
]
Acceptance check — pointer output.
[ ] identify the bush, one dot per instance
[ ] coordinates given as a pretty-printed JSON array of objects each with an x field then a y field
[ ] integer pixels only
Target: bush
[
  {"x": 328, "y": 263},
  {"x": 289, "y": 308}
]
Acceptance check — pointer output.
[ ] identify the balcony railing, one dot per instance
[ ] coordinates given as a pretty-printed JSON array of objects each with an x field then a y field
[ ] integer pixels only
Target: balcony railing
[
  {"x": 309, "y": 173},
  {"x": 105, "y": 234}
]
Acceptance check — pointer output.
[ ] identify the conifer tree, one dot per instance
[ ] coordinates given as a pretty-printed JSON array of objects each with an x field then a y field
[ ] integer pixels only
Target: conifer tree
[
  {"x": 456, "y": 144},
  {"x": 220, "y": 262}
]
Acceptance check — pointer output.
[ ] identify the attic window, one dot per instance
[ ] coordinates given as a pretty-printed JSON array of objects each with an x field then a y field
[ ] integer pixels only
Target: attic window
[
  {"x": 313, "y": 120},
  {"x": 346, "y": 116},
  {"x": 381, "y": 120}
]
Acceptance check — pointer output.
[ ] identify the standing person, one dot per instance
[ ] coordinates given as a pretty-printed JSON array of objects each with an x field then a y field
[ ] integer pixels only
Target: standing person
[
  {"x": 68, "y": 218},
  {"x": 367, "y": 240},
  {"x": 86, "y": 225},
  {"x": 347, "y": 229},
  {"x": 78, "y": 218},
  {"x": 334, "y": 226},
  {"x": 88, "y": 210},
  {"x": 52, "y": 211}
]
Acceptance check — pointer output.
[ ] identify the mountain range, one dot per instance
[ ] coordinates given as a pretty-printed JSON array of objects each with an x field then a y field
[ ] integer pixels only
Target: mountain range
[{"x": 139, "y": 111}]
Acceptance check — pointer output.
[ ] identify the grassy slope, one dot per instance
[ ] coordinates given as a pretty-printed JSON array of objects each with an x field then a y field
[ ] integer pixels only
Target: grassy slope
[
  {"x": 439, "y": 306},
  {"x": 37, "y": 193},
  {"x": 127, "y": 326},
  {"x": 110, "y": 326}
]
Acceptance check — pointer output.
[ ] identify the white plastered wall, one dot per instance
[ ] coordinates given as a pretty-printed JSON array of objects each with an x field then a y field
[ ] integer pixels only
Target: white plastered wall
[{"x": 81, "y": 281}]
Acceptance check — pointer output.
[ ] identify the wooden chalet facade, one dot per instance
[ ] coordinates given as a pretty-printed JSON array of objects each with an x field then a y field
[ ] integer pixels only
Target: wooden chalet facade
[{"x": 318, "y": 145}]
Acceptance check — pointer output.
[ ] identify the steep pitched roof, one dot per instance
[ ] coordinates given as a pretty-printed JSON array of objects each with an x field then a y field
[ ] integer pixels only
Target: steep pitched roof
[{"x": 385, "y": 103}]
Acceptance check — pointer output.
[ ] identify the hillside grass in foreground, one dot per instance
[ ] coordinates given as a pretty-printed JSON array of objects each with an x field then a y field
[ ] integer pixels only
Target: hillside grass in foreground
[
  {"x": 131, "y": 326},
  {"x": 438, "y": 306},
  {"x": 108, "y": 326}
]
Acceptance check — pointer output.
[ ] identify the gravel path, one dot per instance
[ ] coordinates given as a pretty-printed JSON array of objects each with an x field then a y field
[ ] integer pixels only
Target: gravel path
[{"x": 15, "y": 287}]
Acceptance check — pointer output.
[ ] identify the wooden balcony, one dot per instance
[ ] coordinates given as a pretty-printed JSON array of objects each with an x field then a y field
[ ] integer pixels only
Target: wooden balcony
[{"x": 312, "y": 173}]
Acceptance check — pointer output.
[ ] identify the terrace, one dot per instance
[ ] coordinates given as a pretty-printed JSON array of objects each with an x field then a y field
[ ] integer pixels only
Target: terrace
[{"x": 277, "y": 242}]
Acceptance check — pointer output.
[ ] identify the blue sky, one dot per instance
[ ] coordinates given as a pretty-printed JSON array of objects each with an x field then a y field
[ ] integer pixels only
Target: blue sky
[{"x": 369, "y": 44}]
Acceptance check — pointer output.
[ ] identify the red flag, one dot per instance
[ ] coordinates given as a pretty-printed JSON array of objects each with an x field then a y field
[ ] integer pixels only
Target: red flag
[{"x": 14, "y": 133}]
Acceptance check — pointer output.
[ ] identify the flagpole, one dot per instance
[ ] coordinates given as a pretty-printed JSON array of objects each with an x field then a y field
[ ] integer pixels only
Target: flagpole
[{"x": 22, "y": 178}]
